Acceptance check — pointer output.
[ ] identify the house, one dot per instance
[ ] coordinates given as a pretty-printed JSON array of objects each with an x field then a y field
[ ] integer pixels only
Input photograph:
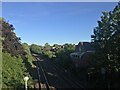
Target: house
[{"x": 84, "y": 52}]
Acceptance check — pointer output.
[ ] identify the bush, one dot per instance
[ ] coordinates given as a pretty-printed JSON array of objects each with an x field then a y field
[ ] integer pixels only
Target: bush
[
  {"x": 13, "y": 71},
  {"x": 28, "y": 53}
]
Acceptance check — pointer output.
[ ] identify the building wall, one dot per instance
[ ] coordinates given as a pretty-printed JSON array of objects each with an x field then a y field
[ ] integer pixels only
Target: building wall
[
  {"x": 84, "y": 46},
  {"x": 83, "y": 53}
]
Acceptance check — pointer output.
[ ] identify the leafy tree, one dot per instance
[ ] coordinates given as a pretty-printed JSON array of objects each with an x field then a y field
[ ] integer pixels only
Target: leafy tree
[
  {"x": 28, "y": 53},
  {"x": 35, "y": 49},
  {"x": 14, "y": 64},
  {"x": 56, "y": 45},
  {"x": 63, "y": 55},
  {"x": 47, "y": 47},
  {"x": 107, "y": 38},
  {"x": 49, "y": 54},
  {"x": 107, "y": 42},
  {"x": 10, "y": 42},
  {"x": 13, "y": 72}
]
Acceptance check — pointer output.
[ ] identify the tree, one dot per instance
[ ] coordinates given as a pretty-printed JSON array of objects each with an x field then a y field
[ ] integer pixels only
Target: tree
[
  {"x": 10, "y": 42},
  {"x": 63, "y": 55},
  {"x": 14, "y": 63},
  {"x": 28, "y": 53},
  {"x": 107, "y": 41},
  {"x": 107, "y": 36},
  {"x": 13, "y": 72},
  {"x": 47, "y": 47},
  {"x": 36, "y": 49}
]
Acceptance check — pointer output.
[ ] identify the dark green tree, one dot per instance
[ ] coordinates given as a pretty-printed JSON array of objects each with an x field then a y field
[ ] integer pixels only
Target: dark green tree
[
  {"x": 107, "y": 39},
  {"x": 107, "y": 42}
]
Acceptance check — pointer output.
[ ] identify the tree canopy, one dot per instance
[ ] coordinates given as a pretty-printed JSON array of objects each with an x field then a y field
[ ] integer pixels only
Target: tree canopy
[
  {"x": 107, "y": 39},
  {"x": 13, "y": 72},
  {"x": 35, "y": 48}
]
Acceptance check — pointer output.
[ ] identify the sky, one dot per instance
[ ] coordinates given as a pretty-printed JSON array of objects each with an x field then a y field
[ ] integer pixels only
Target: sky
[{"x": 54, "y": 22}]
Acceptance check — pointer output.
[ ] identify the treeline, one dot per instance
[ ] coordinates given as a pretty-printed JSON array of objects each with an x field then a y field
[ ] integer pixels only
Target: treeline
[
  {"x": 17, "y": 58},
  {"x": 106, "y": 37},
  {"x": 16, "y": 61},
  {"x": 104, "y": 68},
  {"x": 56, "y": 53}
]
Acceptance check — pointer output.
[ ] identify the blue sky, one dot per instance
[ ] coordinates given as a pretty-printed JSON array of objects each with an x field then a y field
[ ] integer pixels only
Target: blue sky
[{"x": 54, "y": 22}]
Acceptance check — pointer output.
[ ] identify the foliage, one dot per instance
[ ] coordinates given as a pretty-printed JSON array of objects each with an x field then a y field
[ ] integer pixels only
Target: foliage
[
  {"x": 107, "y": 39},
  {"x": 63, "y": 55},
  {"x": 13, "y": 71},
  {"x": 28, "y": 53},
  {"x": 35, "y": 49},
  {"x": 107, "y": 43},
  {"x": 47, "y": 47},
  {"x": 49, "y": 54},
  {"x": 60, "y": 53},
  {"x": 10, "y": 42},
  {"x": 16, "y": 58}
]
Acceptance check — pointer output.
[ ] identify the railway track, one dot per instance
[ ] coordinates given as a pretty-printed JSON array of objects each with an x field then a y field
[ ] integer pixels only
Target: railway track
[
  {"x": 69, "y": 79},
  {"x": 69, "y": 75},
  {"x": 46, "y": 84},
  {"x": 42, "y": 79},
  {"x": 60, "y": 81},
  {"x": 69, "y": 82}
]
